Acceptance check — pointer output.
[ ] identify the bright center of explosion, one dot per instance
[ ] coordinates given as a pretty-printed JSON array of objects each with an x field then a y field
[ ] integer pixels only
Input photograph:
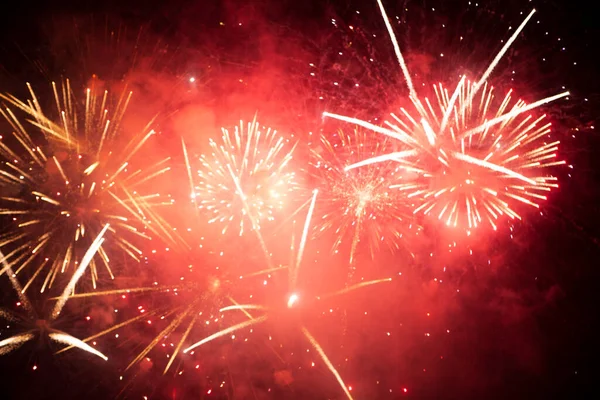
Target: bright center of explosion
[
  {"x": 42, "y": 324},
  {"x": 260, "y": 189},
  {"x": 215, "y": 283},
  {"x": 292, "y": 300},
  {"x": 364, "y": 197}
]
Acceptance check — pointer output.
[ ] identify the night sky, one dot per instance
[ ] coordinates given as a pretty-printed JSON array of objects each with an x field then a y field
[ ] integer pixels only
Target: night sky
[{"x": 516, "y": 315}]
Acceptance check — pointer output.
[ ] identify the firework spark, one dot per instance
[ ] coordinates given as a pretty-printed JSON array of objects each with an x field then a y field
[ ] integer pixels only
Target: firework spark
[
  {"x": 246, "y": 178},
  {"x": 359, "y": 204},
  {"x": 477, "y": 158},
  {"x": 62, "y": 183}
]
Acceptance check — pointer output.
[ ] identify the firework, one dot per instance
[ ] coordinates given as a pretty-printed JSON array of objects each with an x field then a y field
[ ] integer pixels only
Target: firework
[
  {"x": 476, "y": 158},
  {"x": 289, "y": 302},
  {"x": 192, "y": 306},
  {"x": 66, "y": 177},
  {"x": 469, "y": 179},
  {"x": 183, "y": 307},
  {"x": 358, "y": 204},
  {"x": 247, "y": 177},
  {"x": 38, "y": 325}
]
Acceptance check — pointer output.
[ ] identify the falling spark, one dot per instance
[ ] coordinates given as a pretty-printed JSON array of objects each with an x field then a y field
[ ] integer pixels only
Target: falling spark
[
  {"x": 188, "y": 168},
  {"x": 226, "y": 332},
  {"x": 64, "y": 338},
  {"x": 403, "y": 66},
  {"x": 355, "y": 287},
  {"x": 14, "y": 342},
  {"x": 85, "y": 262},
  {"x": 325, "y": 359},
  {"x": 296, "y": 267}
]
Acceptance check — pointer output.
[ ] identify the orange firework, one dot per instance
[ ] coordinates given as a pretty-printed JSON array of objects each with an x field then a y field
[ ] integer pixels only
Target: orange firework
[{"x": 65, "y": 175}]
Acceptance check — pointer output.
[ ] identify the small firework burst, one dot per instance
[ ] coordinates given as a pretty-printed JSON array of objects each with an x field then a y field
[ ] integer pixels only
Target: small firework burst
[
  {"x": 358, "y": 204},
  {"x": 247, "y": 178},
  {"x": 64, "y": 178}
]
